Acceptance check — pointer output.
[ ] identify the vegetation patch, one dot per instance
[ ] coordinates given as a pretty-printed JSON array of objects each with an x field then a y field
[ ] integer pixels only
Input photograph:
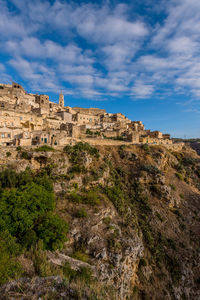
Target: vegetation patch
[
  {"x": 8, "y": 154},
  {"x": 76, "y": 151},
  {"x": 44, "y": 148},
  {"x": 81, "y": 213},
  {"x": 27, "y": 205}
]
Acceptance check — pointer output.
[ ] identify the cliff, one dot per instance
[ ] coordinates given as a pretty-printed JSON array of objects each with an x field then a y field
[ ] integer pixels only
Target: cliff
[{"x": 133, "y": 217}]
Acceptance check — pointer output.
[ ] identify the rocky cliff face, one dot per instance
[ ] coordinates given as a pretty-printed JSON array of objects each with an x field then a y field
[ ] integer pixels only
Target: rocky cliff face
[{"x": 134, "y": 219}]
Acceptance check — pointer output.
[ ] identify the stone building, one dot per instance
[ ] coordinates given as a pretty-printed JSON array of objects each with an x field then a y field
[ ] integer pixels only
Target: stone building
[
  {"x": 61, "y": 100},
  {"x": 65, "y": 116},
  {"x": 81, "y": 118},
  {"x": 28, "y": 119}
]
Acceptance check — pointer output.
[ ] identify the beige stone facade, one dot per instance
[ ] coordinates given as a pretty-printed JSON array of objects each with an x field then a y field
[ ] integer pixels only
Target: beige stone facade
[{"x": 31, "y": 119}]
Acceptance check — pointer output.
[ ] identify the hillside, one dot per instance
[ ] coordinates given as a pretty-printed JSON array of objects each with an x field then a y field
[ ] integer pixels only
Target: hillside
[{"x": 111, "y": 222}]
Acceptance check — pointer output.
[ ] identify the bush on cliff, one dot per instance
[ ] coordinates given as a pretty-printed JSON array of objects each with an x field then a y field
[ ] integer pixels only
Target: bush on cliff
[
  {"x": 76, "y": 150},
  {"x": 26, "y": 210},
  {"x": 44, "y": 148},
  {"x": 9, "y": 266}
]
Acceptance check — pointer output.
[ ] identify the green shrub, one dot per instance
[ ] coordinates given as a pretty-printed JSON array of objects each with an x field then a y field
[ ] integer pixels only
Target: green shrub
[
  {"x": 19, "y": 148},
  {"x": 171, "y": 244},
  {"x": 177, "y": 212},
  {"x": 8, "y": 178},
  {"x": 75, "y": 185},
  {"x": 107, "y": 220},
  {"x": 173, "y": 267},
  {"x": 68, "y": 272},
  {"x": 81, "y": 213},
  {"x": 43, "y": 267},
  {"x": 9, "y": 266},
  {"x": 151, "y": 169},
  {"x": 147, "y": 234},
  {"x": 75, "y": 197},
  {"x": 157, "y": 189},
  {"x": 52, "y": 231},
  {"x": 24, "y": 155},
  {"x": 26, "y": 209},
  {"x": 44, "y": 148},
  {"x": 77, "y": 168},
  {"x": 43, "y": 180},
  {"x": 179, "y": 176},
  {"x": 8, "y": 154},
  {"x": 92, "y": 198},
  {"x": 20, "y": 208},
  {"x": 88, "y": 131},
  {"x": 159, "y": 216},
  {"x": 80, "y": 256},
  {"x": 145, "y": 147},
  {"x": 116, "y": 196},
  {"x": 40, "y": 262},
  {"x": 173, "y": 187},
  {"x": 85, "y": 275},
  {"x": 189, "y": 161},
  {"x": 76, "y": 151}
]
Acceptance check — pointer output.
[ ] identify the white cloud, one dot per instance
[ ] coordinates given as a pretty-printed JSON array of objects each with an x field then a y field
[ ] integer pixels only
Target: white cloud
[
  {"x": 102, "y": 27},
  {"x": 2, "y": 67},
  {"x": 94, "y": 47},
  {"x": 82, "y": 80},
  {"x": 32, "y": 47},
  {"x": 38, "y": 75},
  {"x": 142, "y": 90},
  {"x": 183, "y": 44}
]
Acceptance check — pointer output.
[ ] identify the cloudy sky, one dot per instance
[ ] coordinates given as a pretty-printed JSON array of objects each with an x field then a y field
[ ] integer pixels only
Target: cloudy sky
[{"x": 139, "y": 57}]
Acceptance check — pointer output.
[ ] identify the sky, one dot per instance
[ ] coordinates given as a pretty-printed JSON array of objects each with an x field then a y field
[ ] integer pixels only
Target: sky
[{"x": 138, "y": 57}]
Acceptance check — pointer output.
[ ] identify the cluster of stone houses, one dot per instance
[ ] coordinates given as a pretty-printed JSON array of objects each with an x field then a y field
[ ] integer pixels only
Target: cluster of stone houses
[{"x": 28, "y": 119}]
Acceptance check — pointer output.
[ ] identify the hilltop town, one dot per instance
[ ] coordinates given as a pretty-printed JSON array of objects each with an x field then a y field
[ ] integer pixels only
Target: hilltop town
[{"x": 31, "y": 119}]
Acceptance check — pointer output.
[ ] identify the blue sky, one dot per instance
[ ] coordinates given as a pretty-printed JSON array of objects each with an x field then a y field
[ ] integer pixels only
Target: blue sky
[{"x": 141, "y": 58}]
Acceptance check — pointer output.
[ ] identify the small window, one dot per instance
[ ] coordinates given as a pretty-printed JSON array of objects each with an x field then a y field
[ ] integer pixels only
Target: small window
[{"x": 8, "y": 135}]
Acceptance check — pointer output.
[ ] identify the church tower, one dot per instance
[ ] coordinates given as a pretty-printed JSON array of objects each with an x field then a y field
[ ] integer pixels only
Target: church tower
[{"x": 61, "y": 100}]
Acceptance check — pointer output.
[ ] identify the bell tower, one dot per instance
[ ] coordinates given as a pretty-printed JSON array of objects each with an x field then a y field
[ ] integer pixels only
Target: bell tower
[{"x": 61, "y": 100}]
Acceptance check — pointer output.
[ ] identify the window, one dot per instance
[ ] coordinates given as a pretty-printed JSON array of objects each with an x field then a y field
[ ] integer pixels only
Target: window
[
  {"x": 3, "y": 135},
  {"x": 21, "y": 118},
  {"x": 8, "y": 135}
]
